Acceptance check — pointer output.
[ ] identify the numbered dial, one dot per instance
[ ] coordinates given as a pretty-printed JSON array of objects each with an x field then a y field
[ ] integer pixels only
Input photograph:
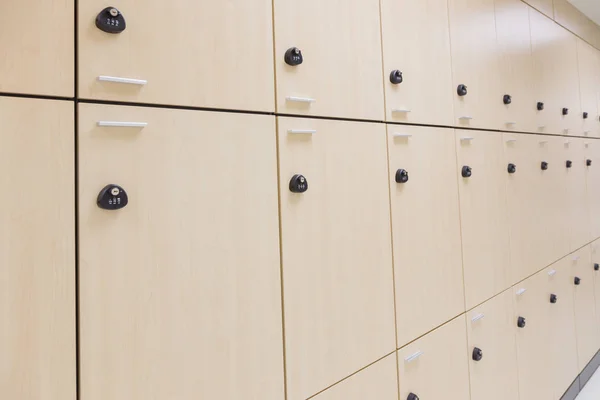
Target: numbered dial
[
  {"x": 293, "y": 56},
  {"x": 412, "y": 396},
  {"x": 112, "y": 197},
  {"x": 110, "y": 20},
  {"x": 298, "y": 184}
]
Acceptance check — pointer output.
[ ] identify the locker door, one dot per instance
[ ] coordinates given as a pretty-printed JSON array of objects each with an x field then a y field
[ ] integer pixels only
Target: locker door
[
  {"x": 200, "y": 53},
  {"x": 544, "y": 6},
  {"x": 484, "y": 214},
  {"x": 592, "y": 151},
  {"x": 435, "y": 366},
  {"x": 378, "y": 381},
  {"x": 429, "y": 284},
  {"x": 490, "y": 328},
  {"x": 516, "y": 66},
  {"x": 475, "y": 63},
  {"x": 578, "y": 206},
  {"x": 36, "y": 38},
  {"x": 37, "y": 246},
  {"x": 595, "y": 258},
  {"x": 589, "y": 83},
  {"x": 555, "y": 226},
  {"x": 585, "y": 305},
  {"x": 533, "y": 340},
  {"x": 180, "y": 290},
  {"x": 416, "y": 41},
  {"x": 341, "y": 70},
  {"x": 336, "y": 244}
]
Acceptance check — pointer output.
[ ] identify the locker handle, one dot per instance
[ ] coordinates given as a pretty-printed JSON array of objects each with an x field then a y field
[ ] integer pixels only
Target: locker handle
[
  {"x": 477, "y": 317},
  {"x": 117, "y": 79},
  {"x": 402, "y": 135},
  {"x": 300, "y": 99},
  {"x": 302, "y": 131},
  {"x": 511, "y": 123},
  {"x": 511, "y": 140},
  {"x": 552, "y": 272},
  {"x": 521, "y": 291},
  {"x": 576, "y": 258},
  {"x": 413, "y": 357},
  {"x": 400, "y": 110},
  {"x": 467, "y": 138},
  {"x": 465, "y": 117},
  {"x": 542, "y": 127},
  {"x": 543, "y": 141},
  {"x": 586, "y": 132},
  {"x": 118, "y": 124},
  {"x": 567, "y": 142}
]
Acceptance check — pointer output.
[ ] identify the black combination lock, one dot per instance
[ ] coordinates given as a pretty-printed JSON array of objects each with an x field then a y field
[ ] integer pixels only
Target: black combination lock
[
  {"x": 596, "y": 267},
  {"x": 569, "y": 163},
  {"x": 461, "y": 90},
  {"x": 588, "y": 162},
  {"x": 577, "y": 281},
  {"x": 477, "y": 354},
  {"x": 401, "y": 176},
  {"x": 298, "y": 184},
  {"x": 112, "y": 197},
  {"x": 585, "y": 115},
  {"x": 544, "y": 165},
  {"x": 540, "y": 106},
  {"x": 396, "y": 77},
  {"x": 565, "y": 111},
  {"x": 521, "y": 322},
  {"x": 553, "y": 298},
  {"x": 512, "y": 168},
  {"x": 110, "y": 20},
  {"x": 412, "y": 396},
  {"x": 466, "y": 171},
  {"x": 507, "y": 99},
  {"x": 293, "y": 56}
]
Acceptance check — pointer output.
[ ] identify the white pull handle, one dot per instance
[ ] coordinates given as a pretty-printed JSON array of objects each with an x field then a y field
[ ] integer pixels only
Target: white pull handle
[
  {"x": 576, "y": 258},
  {"x": 542, "y": 127},
  {"x": 465, "y": 117},
  {"x": 119, "y": 124},
  {"x": 477, "y": 317},
  {"x": 521, "y": 291},
  {"x": 543, "y": 141},
  {"x": 302, "y": 131},
  {"x": 400, "y": 110},
  {"x": 511, "y": 140},
  {"x": 402, "y": 135},
  {"x": 511, "y": 123},
  {"x": 467, "y": 138},
  {"x": 567, "y": 142},
  {"x": 300, "y": 99},
  {"x": 552, "y": 272},
  {"x": 117, "y": 79},
  {"x": 413, "y": 357}
]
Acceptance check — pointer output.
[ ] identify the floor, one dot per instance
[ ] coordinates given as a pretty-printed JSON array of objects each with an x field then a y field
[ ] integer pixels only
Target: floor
[{"x": 591, "y": 391}]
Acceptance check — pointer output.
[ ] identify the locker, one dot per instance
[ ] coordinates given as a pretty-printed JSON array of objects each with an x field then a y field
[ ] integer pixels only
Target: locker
[
  {"x": 484, "y": 214},
  {"x": 582, "y": 273},
  {"x": 180, "y": 290},
  {"x": 516, "y": 66},
  {"x": 577, "y": 199},
  {"x": 595, "y": 258},
  {"x": 592, "y": 153},
  {"x": 416, "y": 40},
  {"x": 340, "y": 74},
  {"x": 36, "y": 38},
  {"x": 490, "y": 329},
  {"x": 336, "y": 250},
  {"x": 199, "y": 53},
  {"x": 544, "y": 6},
  {"x": 37, "y": 243},
  {"x": 533, "y": 339},
  {"x": 378, "y": 381},
  {"x": 435, "y": 366},
  {"x": 589, "y": 88},
  {"x": 475, "y": 64},
  {"x": 554, "y": 225},
  {"x": 429, "y": 284}
]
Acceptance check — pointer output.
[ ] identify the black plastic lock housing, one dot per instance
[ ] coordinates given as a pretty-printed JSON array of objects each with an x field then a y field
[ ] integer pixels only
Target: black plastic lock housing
[
  {"x": 544, "y": 165},
  {"x": 112, "y": 197},
  {"x": 396, "y": 77},
  {"x": 588, "y": 162},
  {"x": 466, "y": 171},
  {"x": 577, "y": 281},
  {"x": 461, "y": 90},
  {"x": 512, "y": 168},
  {"x": 110, "y": 20},
  {"x": 293, "y": 56},
  {"x": 412, "y": 396},
  {"x": 569, "y": 163},
  {"x": 585, "y": 115},
  {"x": 507, "y": 99},
  {"x": 540, "y": 106},
  {"x": 401, "y": 176},
  {"x": 553, "y": 298},
  {"x": 298, "y": 184},
  {"x": 521, "y": 322},
  {"x": 565, "y": 111},
  {"x": 596, "y": 267},
  {"x": 477, "y": 354}
]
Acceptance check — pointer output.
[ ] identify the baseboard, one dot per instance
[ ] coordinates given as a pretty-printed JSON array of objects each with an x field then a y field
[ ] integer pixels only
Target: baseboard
[{"x": 582, "y": 379}]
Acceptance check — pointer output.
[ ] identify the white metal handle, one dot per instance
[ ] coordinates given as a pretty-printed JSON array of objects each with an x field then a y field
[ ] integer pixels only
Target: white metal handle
[
  {"x": 400, "y": 110},
  {"x": 511, "y": 140},
  {"x": 302, "y": 131},
  {"x": 567, "y": 142},
  {"x": 467, "y": 138},
  {"x": 511, "y": 123},
  {"x": 543, "y": 141},
  {"x": 119, "y": 124},
  {"x": 542, "y": 127},
  {"x": 300, "y": 99},
  {"x": 413, "y": 357},
  {"x": 402, "y": 135},
  {"x": 521, "y": 291},
  {"x": 552, "y": 272},
  {"x": 117, "y": 79},
  {"x": 576, "y": 258},
  {"x": 477, "y": 317},
  {"x": 465, "y": 117}
]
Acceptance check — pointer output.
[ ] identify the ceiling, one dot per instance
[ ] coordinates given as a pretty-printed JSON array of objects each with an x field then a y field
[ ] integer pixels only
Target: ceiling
[{"x": 591, "y": 8}]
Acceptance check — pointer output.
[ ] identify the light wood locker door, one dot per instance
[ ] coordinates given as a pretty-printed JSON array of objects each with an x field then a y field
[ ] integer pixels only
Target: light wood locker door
[
  {"x": 200, "y": 53},
  {"x": 492, "y": 350},
  {"x": 180, "y": 290},
  {"x": 531, "y": 322},
  {"x": 336, "y": 250},
  {"x": 516, "y": 66},
  {"x": 578, "y": 206},
  {"x": 340, "y": 74},
  {"x": 555, "y": 225},
  {"x": 589, "y": 85},
  {"x": 429, "y": 284},
  {"x": 592, "y": 155},
  {"x": 484, "y": 214},
  {"x": 475, "y": 64},
  {"x": 544, "y": 6},
  {"x": 595, "y": 259},
  {"x": 37, "y": 243},
  {"x": 378, "y": 381},
  {"x": 436, "y": 366},
  {"x": 585, "y": 305},
  {"x": 561, "y": 318},
  {"x": 416, "y": 41},
  {"x": 37, "y": 42}
]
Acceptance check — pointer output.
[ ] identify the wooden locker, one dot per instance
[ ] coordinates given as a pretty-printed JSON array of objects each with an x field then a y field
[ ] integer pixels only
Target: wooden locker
[
  {"x": 543, "y": 6},
  {"x": 180, "y": 290},
  {"x": 37, "y": 243},
  {"x": 578, "y": 208},
  {"x": 595, "y": 259},
  {"x": 592, "y": 153},
  {"x": 340, "y": 74},
  {"x": 336, "y": 251},
  {"x": 435, "y": 366},
  {"x": 589, "y": 88},
  {"x": 475, "y": 63},
  {"x": 492, "y": 349},
  {"x": 429, "y": 284},
  {"x": 586, "y": 319},
  {"x": 516, "y": 66},
  {"x": 378, "y": 381},
  {"x": 200, "y": 53},
  {"x": 37, "y": 41},
  {"x": 531, "y": 322},
  {"x": 416, "y": 41},
  {"x": 484, "y": 214},
  {"x": 555, "y": 222}
]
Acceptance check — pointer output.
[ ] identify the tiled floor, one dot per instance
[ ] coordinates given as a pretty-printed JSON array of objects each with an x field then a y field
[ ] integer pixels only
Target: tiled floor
[{"x": 591, "y": 391}]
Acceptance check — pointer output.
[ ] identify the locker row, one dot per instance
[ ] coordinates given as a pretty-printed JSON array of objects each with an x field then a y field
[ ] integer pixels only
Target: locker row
[{"x": 494, "y": 64}]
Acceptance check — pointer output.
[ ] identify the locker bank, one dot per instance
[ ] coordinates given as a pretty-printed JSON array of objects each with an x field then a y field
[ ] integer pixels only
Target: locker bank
[{"x": 293, "y": 200}]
